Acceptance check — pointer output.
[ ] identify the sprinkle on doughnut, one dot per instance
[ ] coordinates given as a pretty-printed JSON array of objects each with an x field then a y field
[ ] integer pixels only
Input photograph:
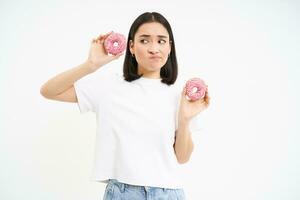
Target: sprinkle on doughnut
[
  {"x": 195, "y": 89},
  {"x": 115, "y": 43}
]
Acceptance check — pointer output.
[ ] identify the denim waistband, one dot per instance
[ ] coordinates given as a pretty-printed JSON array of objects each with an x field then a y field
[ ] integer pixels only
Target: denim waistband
[{"x": 122, "y": 186}]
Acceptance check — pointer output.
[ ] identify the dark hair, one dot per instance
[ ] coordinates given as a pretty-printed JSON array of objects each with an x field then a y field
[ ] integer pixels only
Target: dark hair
[{"x": 169, "y": 71}]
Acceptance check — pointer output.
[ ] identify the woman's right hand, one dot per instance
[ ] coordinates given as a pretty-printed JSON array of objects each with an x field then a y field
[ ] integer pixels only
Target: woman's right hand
[{"x": 97, "y": 55}]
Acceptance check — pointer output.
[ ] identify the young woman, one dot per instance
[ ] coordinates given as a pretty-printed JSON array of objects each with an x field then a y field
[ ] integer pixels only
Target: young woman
[{"x": 142, "y": 118}]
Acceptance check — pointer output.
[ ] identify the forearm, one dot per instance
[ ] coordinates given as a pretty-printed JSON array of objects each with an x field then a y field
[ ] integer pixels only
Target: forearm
[
  {"x": 183, "y": 145},
  {"x": 65, "y": 80}
]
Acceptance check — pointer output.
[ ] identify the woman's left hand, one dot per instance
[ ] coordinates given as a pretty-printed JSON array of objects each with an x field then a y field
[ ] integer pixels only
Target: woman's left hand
[{"x": 189, "y": 109}]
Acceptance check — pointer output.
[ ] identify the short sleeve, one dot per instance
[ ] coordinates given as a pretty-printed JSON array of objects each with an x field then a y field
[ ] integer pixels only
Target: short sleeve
[{"x": 88, "y": 91}]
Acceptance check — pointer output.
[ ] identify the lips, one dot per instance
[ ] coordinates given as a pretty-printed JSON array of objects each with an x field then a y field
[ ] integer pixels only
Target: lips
[{"x": 155, "y": 57}]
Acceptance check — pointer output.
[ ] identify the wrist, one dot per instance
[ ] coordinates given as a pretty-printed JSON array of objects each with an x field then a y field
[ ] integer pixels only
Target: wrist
[
  {"x": 92, "y": 67},
  {"x": 183, "y": 122}
]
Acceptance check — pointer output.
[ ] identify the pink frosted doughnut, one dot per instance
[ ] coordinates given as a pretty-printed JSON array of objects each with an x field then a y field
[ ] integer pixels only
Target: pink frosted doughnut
[
  {"x": 115, "y": 43},
  {"x": 195, "y": 89}
]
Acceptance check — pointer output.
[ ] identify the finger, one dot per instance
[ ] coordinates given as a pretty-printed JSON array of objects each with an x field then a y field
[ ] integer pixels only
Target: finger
[
  {"x": 183, "y": 90},
  {"x": 206, "y": 94},
  {"x": 100, "y": 41},
  {"x": 206, "y": 105},
  {"x": 103, "y": 35},
  {"x": 207, "y": 99},
  {"x": 184, "y": 96},
  {"x": 100, "y": 36},
  {"x": 107, "y": 34}
]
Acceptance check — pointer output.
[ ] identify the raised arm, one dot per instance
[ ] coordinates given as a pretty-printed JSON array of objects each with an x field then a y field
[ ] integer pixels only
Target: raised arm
[{"x": 61, "y": 86}]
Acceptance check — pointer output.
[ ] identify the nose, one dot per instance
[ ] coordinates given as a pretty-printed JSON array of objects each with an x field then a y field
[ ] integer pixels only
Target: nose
[{"x": 153, "y": 48}]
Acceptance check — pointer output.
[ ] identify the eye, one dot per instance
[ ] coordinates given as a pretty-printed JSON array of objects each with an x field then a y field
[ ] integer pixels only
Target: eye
[
  {"x": 162, "y": 41},
  {"x": 143, "y": 41}
]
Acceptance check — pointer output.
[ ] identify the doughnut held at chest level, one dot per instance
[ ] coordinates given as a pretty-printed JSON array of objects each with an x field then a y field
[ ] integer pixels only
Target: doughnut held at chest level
[
  {"x": 195, "y": 89},
  {"x": 115, "y": 43}
]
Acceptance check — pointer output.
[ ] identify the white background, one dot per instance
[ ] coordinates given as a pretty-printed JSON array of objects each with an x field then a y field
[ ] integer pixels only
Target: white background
[{"x": 246, "y": 51}]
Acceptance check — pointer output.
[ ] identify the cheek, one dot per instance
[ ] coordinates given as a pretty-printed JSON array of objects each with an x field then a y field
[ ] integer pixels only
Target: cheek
[
  {"x": 166, "y": 52},
  {"x": 141, "y": 51},
  {"x": 167, "y": 49}
]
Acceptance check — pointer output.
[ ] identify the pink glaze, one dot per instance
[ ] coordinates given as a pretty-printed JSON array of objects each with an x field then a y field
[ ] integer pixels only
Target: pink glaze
[
  {"x": 198, "y": 84},
  {"x": 115, "y": 43}
]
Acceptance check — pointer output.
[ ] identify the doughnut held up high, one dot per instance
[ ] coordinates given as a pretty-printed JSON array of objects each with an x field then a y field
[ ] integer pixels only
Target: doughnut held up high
[
  {"x": 195, "y": 89},
  {"x": 115, "y": 43}
]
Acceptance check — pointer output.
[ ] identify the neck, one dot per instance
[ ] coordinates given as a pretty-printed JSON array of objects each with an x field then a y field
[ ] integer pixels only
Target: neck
[{"x": 149, "y": 74}]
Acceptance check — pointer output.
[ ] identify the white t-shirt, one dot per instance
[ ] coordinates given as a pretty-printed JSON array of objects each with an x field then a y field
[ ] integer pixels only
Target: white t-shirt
[{"x": 136, "y": 123}]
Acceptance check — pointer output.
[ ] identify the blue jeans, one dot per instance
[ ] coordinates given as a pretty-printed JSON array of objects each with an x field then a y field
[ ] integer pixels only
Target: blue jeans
[{"x": 121, "y": 191}]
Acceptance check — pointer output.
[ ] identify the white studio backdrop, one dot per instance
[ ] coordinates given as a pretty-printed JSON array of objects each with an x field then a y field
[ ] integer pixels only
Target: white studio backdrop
[{"x": 246, "y": 51}]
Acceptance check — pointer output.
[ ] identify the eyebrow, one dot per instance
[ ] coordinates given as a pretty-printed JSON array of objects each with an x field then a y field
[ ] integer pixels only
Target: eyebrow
[{"x": 160, "y": 36}]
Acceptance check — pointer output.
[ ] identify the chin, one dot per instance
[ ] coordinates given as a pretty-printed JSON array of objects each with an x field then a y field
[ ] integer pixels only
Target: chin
[
  {"x": 152, "y": 67},
  {"x": 156, "y": 67}
]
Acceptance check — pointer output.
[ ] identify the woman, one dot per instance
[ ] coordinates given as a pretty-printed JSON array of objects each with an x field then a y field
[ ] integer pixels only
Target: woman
[{"x": 142, "y": 136}]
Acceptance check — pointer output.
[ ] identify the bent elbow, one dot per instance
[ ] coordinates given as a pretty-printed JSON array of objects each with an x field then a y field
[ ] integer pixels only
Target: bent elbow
[
  {"x": 44, "y": 92},
  {"x": 183, "y": 161}
]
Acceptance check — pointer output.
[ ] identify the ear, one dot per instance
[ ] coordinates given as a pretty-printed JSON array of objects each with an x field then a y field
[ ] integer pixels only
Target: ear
[{"x": 131, "y": 46}]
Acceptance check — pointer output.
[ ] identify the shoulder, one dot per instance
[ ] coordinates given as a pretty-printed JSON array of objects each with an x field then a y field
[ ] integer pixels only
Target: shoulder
[{"x": 179, "y": 84}]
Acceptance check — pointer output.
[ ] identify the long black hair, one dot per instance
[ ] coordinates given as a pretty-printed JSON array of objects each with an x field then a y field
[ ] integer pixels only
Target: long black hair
[{"x": 169, "y": 71}]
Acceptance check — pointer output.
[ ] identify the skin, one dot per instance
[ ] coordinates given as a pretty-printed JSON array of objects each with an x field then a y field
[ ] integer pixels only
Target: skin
[
  {"x": 151, "y": 47},
  {"x": 152, "y": 40}
]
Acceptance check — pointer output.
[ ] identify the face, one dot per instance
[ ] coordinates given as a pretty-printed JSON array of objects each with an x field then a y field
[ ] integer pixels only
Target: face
[{"x": 151, "y": 47}]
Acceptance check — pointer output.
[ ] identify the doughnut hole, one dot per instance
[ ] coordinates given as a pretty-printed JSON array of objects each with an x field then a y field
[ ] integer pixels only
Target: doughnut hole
[
  {"x": 194, "y": 90},
  {"x": 115, "y": 44}
]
